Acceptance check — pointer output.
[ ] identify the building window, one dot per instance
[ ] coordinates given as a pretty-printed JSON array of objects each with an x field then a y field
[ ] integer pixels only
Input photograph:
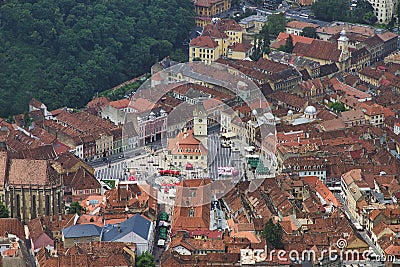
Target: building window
[
  {"x": 191, "y": 212},
  {"x": 47, "y": 205}
]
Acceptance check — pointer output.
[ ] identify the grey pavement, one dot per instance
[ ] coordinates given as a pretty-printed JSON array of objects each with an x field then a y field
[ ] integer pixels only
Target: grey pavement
[{"x": 363, "y": 234}]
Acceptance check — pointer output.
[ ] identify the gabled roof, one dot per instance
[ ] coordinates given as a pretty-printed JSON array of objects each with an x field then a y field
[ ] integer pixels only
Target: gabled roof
[
  {"x": 301, "y": 24},
  {"x": 81, "y": 230},
  {"x": 136, "y": 224},
  {"x": 186, "y": 143},
  {"x": 38, "y": 235},
  {"x": 81, "y": 180},
  {"x": 35, "y": 103},
  {"x": 281, "y": 40},
  {"x": 387, "y": 36},
  {"x": 241, "y": 47},
  {"x": 120, "y": 104},
  {"x": 26, "y": 171},
  {"x": 203, "y": 41},
  {"x": 12, "y": 226},
  {"x": 317, "y": 49},
  {"x": 354, "y": 114}
]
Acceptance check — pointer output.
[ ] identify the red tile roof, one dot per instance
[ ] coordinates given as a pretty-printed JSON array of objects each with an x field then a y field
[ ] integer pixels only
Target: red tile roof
[
  {"x": 301, "y": 24},
  {"x": 120, "y": 104},
  {"x": 35, "y": 103},
  {"x": 201, "y": 212},
  {"x": 317, "y": 49},
  {"x": 387, "y": 36},
  {"x": 241, "y": 47},
  {"x": 186, "y": 143},
  {"x": 281, "y": 40},
  {"x": 12, "y": 226},
  {"x": 203, "y": 41}
]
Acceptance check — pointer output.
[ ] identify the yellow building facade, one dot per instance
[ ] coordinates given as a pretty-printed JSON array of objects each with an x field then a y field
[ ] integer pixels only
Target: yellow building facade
[
  {"x": 204, "y": 48},
  {"x": 218, "y": 40},
  {"x": 210, "y": 8}
]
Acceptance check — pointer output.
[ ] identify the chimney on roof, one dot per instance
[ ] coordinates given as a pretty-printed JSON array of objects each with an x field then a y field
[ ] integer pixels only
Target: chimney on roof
[{"x": 119, "y": 227}]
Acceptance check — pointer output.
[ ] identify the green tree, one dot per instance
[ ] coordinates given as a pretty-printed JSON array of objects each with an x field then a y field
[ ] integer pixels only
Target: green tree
[
  {"x": 329, "y": 10},
  {"x": 27, "y": 119},
  {"x": 261, "y": 43},
  {"x": 309, "y": 32},
  {"x": 179, "y": 56},
  {"x": 145, "y": 260},
  {"x": 4, "y": 213},
  {"x": 235, "y": 3},
  {"x": 63, "y": 51},
  {"x": 289, "y": 44},
  {"x": 282, "y": 48},
  {"x": 337, "y": 107},
  {"x": 276, "y": 24},
  {"x": 273, "y": 233},
  {"x": 75, "y": 208}
]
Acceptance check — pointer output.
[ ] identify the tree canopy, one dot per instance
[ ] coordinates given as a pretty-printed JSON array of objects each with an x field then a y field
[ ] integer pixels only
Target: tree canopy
[
  {"x": 64, "y": 51},
  {"x": 261, "y": 43},
  {"x": 4, "y": 213},
  {"x": 75, "y": 208},
  {"x": 289, "y": 44},
  {"x": 273, "y": 233},
  {"x": 330, "y": 10},
  {"x": 309, "y": 32},
  {"x": 145, "y": 260},
  {"x": 276, "y": 24},
  {"x": 337, "y": 106}
]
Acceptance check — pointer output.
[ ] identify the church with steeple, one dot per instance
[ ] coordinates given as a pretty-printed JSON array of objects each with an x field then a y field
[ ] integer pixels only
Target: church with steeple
[
  {"x": 200, "y": 124},
  {"x": 326, "y": 52},
  {"x": 189, "y": 147},
  {"x": 343, "y": 46}
]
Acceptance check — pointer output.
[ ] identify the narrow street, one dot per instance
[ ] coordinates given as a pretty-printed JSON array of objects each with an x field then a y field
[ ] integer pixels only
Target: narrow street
[{"x": 363, "y": 233}]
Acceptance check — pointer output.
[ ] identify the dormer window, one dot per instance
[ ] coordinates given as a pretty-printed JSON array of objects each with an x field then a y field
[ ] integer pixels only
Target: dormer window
[{"x": 191, "y": 212}]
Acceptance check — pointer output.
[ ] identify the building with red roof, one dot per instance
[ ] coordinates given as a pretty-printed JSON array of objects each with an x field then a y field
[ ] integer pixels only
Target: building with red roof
[{"x": 210, "y": 8}]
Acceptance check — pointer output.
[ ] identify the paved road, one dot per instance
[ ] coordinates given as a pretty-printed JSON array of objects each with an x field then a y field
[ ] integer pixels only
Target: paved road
[{"x": 353, "y": 220}]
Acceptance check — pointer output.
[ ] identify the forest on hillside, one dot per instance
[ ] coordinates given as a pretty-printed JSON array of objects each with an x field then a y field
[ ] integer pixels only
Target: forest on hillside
[
  {"x": 65, "y": 51},
  {"x": 330, "y": 10}
]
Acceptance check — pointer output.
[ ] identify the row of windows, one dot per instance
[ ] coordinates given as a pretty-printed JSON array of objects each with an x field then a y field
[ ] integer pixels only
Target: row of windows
[
  {"x": 314, "y": 173},
  {"x": 197, "y": 150},
  {"x": 185, "y": 157},
  {"x": 203, "y": 50},
  {"x": 88, "y": 191}
]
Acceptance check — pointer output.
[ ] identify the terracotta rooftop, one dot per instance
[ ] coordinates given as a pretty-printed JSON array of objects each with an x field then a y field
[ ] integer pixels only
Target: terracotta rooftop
[
  {"x": 281, "y": 40},
  {"x": 386, "y": 36},
  {"x": 331, "y": 30},
  {"x": 301, "y": 25},
  {"x": 203, "y": 41},
  {"x": 241, "y": 47},
  {"x": 11, "y": 226},
  {"x": 26, "y": 171},
  {"x": 35, "y": 103},
  {"x": 318, "y": 49},
  {"x": 186, "y": 143},
  {"x": 120, "y": 104}
]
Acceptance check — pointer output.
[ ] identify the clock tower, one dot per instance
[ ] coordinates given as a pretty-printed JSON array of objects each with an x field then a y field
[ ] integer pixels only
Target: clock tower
[{"x": 200, "y": 123}]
